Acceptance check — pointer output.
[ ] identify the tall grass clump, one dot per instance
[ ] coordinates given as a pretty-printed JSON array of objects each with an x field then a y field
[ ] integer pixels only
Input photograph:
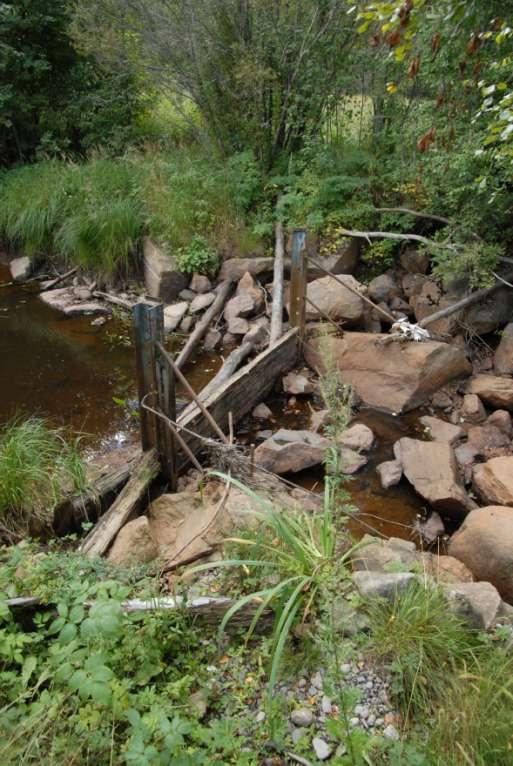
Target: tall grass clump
[
  {"x": 474, "y": 724},
  {"x": 422, "y": 643},
  {"x": 38, "y": 466}
]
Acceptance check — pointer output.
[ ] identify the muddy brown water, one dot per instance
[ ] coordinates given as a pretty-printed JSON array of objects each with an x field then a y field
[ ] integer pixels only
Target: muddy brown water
[{"x": 80, "y": 376}]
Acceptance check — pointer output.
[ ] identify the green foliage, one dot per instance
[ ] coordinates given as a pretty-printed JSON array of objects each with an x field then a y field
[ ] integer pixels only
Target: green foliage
[
  {"x": 53, "y": 98},
  {"x": 422, "y": 643},
  {"x": 197, "y": 257},
  {"x": 38, "y": 466}
]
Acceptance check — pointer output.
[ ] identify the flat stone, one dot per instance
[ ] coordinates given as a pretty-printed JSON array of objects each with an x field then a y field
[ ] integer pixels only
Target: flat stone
[
  {"x": 237, "y": 326},
  {"x": 493, "y": 481},
  {"x": 297, "y": 383},
  {"x": 262, "y": 412},
  {"x": 440, "y": 431},
  {"x": 63, "y": 299},
  {"x": 494, "y": 391},
  {"x": 174, "y": 314},
  {"x": 358, "y": 437},
  {"x": 390, "y": 473},
  {"x": 20, "y": 268},
  {"x": 201, "y": 302},
  {"x": 334, "y": 299},
  {"x": 291, "y": 451}
]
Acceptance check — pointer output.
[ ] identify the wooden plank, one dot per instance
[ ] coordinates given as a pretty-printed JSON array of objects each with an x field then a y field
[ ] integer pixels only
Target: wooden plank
[
  {"x": 124, "y": 507},
  {"x": 298, "y": 277},
  {"x": 148, "y": 328},
  {"x": 247, "y": 388}
]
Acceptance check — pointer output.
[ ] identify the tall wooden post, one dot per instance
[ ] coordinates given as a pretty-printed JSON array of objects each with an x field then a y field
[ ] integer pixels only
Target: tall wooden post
[
  {"x": 298, "y": 281},
  {"x": 155, "y": 384}
]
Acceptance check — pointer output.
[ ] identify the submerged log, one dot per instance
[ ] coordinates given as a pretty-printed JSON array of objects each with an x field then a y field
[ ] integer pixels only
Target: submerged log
[
  {"x": 105, "y": 530},
  {"x": 223, "y": 291}
]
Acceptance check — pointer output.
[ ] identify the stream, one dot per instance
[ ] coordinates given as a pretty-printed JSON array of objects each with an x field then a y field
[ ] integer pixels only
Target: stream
[{"x": 83, "y": 376}]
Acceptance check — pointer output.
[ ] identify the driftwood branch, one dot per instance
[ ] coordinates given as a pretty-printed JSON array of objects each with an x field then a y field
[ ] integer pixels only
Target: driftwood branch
[
  {"x": 125, "y": 505},
  {"x": 414, "y": 213},
  {"x": 114, "y": 299},
  {"x": 277, "y": 307},
  {"x": 230, "y": 365},
  {"x": 469, "y": 300},
  {"x": 57, "y": 281},
  {"x": 202, "y": 327}
]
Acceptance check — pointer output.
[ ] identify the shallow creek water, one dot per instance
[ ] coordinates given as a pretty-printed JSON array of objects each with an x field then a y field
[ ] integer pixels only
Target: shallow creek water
[{"x": 73, "y": 373}]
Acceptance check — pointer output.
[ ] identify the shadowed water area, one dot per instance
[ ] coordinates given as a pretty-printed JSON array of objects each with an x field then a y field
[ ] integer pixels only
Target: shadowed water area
[{"x": 79, "y": 375}]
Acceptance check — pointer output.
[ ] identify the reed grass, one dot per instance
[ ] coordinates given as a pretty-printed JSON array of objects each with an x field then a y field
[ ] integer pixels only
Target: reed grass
[{"x": 38, "y": 466}]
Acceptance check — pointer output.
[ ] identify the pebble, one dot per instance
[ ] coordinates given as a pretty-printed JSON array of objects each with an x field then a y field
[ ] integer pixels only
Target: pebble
[
  {"x": 302, "y": 717},
  {"x": 326, "y": 705},
  {"x": 322, "y": 749},
  {"x": 345, "y": 668},
  {"x": 260, "y": 716},
  {"x": 390, "y": 732},
  {"x": 316, "y": 680},
  {"x": 298, "y": 733}
]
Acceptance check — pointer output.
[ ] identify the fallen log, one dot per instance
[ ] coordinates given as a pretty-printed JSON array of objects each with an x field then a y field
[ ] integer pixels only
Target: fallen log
[
  {"x": 469, "y": 300},
  {"x": 72, "y": 511},
  {"x": 277, "y": 307},
  {"x": 223, "y": 291},
  {"x": 208, "y": 609},
  {"x": 125, "y": 505}
]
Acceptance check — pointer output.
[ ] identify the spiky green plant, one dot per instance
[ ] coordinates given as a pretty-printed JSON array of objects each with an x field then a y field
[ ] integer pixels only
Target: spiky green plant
[
  {"x": 38, "y": 466},
  {"x": 297, "y": 549}
]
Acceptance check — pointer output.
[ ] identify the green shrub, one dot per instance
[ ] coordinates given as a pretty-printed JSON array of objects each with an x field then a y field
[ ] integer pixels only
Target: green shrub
[
  {"x": 198, "y": 257},
  {"x": 37, "y": 467}
]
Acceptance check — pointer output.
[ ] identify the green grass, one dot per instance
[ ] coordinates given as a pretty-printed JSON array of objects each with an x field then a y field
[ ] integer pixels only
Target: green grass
[
  {"x": 38, "y": 465},
  {"x": 94, "y": 214},
  {"x": 422, "y": 643}
]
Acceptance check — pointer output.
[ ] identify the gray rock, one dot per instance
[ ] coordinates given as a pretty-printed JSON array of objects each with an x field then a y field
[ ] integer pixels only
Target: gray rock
[
  {"x": 201, "y": 302},
  {"x": 298, "y": 733},
  {"x": 237, "y": 326},
  {"x": 390, "y": 732},
  {"x": 302, "y": 717},
  {"x": 174, "y": 314},
  {"x": 291, "y": 451},
  {"x": 258, "y": 333},
  {"x": 317, "y": 681},
  {"x": 326, "y": 705},
  {"x": 322, "y": 749},
  {"x": 431, "y": 529},
  {"x": 161, "y": 275},
  {"x": 261, "y": 412},
  {"x": 381, "y": 584},
  {"x": 187, "y": 324},
  {"x": 383, "y": 288},
  {"x": 478, "y": 603},
  {"x": 186, "y": 295},
  {"x": 20, "y": 268},
  {"x": 390, "y": 473},
  {"x": 235, "y": 268},
  {"x": 260, "y": 716},
  {"x": 297, "y": 383},
  {"x": 63, "y": 299},
  {"x": 200, "y": 283},
  {"x": 358, "y": 437},
  {"x": 212, "y": 340},
  {"x": 440, "y": 431}
]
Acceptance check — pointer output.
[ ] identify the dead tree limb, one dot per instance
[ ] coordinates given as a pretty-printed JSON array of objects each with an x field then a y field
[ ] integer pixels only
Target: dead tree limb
[
  {"x": 469, "y": 300},
  {"x": 223, "y": 291},
  {"x": 231, "y": 365},
  {"x": 128, "y": 305},
  {"x": 277, "y": 307},
  {"x": 414, "y": 213},
  {"x": 57, "y": 281},
  {"x": 125, "y": 505}
]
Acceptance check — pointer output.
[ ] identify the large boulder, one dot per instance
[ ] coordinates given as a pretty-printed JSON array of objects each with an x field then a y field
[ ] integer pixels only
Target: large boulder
[
  {"x": 432, "y": 470},
  {"x": 291, "y": 451},
  {"x": 476, "y": 603},
  {"x": 493, "y": 390},
  {"x": 344, "y": 260},
  {"x": 503, "y": 357},
  {"x": 493, "y": 481},
  {"x": 20, "y": 268},
  {"x": 162, "y": 277},
  {"x": 484, "y": 543},
  {"x": 383, "y": 288},
  {"x": 334, "y": 299},
  {"x": 235, "y": 268},
  {"x": 390, "y": 375},
  {"x": 134, "y": 544}
]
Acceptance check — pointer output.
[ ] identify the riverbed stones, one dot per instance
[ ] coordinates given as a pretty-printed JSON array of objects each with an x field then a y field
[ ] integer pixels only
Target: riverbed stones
[
  {"x": 503, "y": 357},
  {"x": 319, "y": 419},
  {"x": 493, "y": 390},
  {"x": 174, "y": 314},
  {"x": 200, "y": 284},
  {"x": 430, "y": 529},
  {"x": 249, "y": 288},
  {"x": 162, "y": 277},
  {"x": 258, "y": 333},
  {"x": 201, "y": 302},
  {"x": 134, "y": 544},
  {"x": 334, "y": 300},
  {"x": 386, "y": 585},
  {"x": 297, "y": 384},
  {"x": 415, "y": 261},
  {"x": 322, "y": 749},
  {"x": 431, "y": 469},
  {"x": 488, "y": 441},
  {"x": 20, "y": 268},
  {"x": 493, "y": 481},
  {"x": 484, "y": 543},
  {"x": 290, "y": 451},
  {"x": 440, "y": 431},
  {"x": 212, "y": 340},
  {"x": 472, "y": 409},
  {"x": 390, "y": 473},
  {"x": 261, "y": 412},
  {"x": 383, "y": 288},
  {"x": 501, "y": 419},
  {"x": 302, "y": 716},
  {"x": 358, "y": 437},
  {"x": 378, "y": 555},
  {"x": 390, "y": 375}
]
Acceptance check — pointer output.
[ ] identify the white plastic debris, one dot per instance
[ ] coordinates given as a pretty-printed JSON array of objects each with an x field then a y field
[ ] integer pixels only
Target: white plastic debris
[{"x": 412, "y": 331}]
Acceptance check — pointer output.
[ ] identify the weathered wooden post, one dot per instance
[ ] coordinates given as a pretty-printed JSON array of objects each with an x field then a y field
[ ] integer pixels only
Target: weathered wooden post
[
  {"x": 155, "y": 384},
  {"x": 298, "y": 281}
]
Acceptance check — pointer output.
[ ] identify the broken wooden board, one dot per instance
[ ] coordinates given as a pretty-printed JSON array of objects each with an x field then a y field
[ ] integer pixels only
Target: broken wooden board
[{"x": 239, "y": 395}]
